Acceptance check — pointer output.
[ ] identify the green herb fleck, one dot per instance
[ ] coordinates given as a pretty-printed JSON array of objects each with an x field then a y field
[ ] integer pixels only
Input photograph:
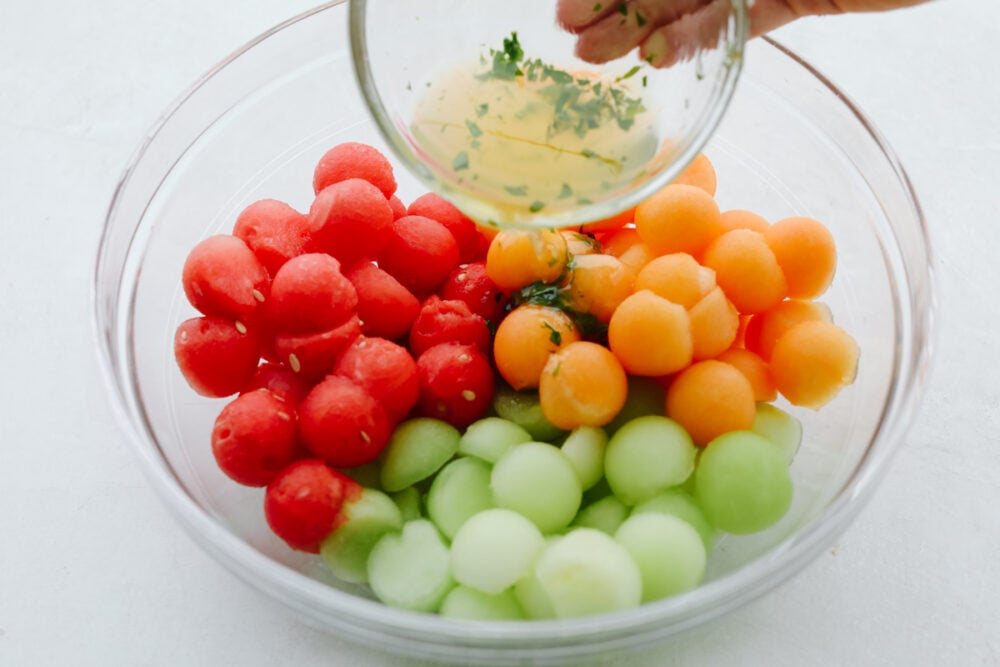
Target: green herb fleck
[
  {"x": 565, "y": 192},
  {"x": 473, "y": 129},
  {"x": 536, "y": 206},
  {"x": 460, "y": 162},
  {"x": 555, "y": 371},
  {"x": 640, "y": 19},
  {"x": 583, "y": 201},
  {"x": 554, "y": 336},
  {"x": 628, "y": 75},
  {"x": 482, "y": 110},
  {"x": 643, "y": 80},
  {"x": 586, "y": 152},
  {"x": 516, "y": 190},
  {"x": 623, "y": 9},
  {"x": 598, "y": 7}
]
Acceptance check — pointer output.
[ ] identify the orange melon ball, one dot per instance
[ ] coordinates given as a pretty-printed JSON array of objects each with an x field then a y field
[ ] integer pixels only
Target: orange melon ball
[
  {"x": 806, "y": 254},
  {"x": 578, "y": 243},
  {"x": 678, "y": 218},
  {"x": 525, "y": 339},
  {"x": 583, "y": 384},
  {"x": 755, "y": 370},
  {"x": 516, "y": 258},
  {"x": 714, "y": 323},
  {"x": 699, "y": 173},
  {"x": 740, "y": 219},
  {"x": 650, "y": 335},
  {"x": 626, "y": 245},
  {"x": 812, "y": 362},
  {"x": 598, "y": 284},
  {"x": 746, "y": 270},
  {"x": 710, "y": 398},
  {"x": 677, "y": 277},
  {"x": 764, "y": 329}
]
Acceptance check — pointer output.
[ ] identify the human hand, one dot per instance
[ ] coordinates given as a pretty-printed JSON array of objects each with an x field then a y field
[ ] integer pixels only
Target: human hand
[{"x": 668, "y": 31}]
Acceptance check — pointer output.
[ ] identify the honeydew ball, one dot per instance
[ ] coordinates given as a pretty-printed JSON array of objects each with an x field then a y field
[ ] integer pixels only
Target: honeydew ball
[
  {"x": 781, "y": 428},
  {"x": 669, "y": 552},
  {"x": 536, "y": 480},
  {"x": 459, "y": 491},
  {"x": 587, "y": 572},
  {"x": 366, "y": 520},
  {"x": 647, "y": 456},
  {"x": 470, "y": 604},
  {"x": 490, "y": 438},
  {"x": 412, "y": 569},
  {"x": 679, "y": 503},
  {"x": 584, "y": 447},
  {"x": 742, "y": 483},
  {"x": 494, "y": 549},
  {"x": 417, "y": 449}
]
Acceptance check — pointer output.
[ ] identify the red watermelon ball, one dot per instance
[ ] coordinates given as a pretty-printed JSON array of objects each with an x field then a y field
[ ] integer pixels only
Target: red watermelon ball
[
  {"x": 310, "y": 294},
  {"x": 350, "y": 220},
  {"x": 420, "y": 254},
  {"x": 354, "y": 160},
  {"x": 386, "y": 371},
  {"x": 274, "y": 231},
  {"x": 470, "y": 283},
  {"x": 444, "y": 321},
  {"x": 397, "y": 206},
  {"x": 218, "y": 357},
  {"x": 456, "y": 383},
  {"x": 386, "y": 308},
  {"x": 462, "y": 227},
  {"x": 313, "y": 355},
  {"x": 223, "y": 277},
  {"x": 302, "y": 504},
  {"x": 254, "y": 438},
  {"x": 342, "y": 424},
  {"x": 281, "y": 381}
]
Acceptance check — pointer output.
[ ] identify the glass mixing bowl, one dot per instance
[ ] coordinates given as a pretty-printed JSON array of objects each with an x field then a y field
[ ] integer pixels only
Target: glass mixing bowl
[
  {"x": 487, "y": 139},
  {"x": 255, "y": 126}
]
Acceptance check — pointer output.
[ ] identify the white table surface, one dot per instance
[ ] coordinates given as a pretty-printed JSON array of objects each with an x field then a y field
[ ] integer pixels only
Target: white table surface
[{"x": 93, "y": 571}]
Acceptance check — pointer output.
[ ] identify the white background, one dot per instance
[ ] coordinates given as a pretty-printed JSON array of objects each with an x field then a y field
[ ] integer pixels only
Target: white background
[{"x": 93, "y": 571}]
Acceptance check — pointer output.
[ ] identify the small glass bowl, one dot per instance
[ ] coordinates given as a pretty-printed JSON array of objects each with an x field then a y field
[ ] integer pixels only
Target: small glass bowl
[
  {"x": 255, "y": 126},
  {"x": 426, "y": 70}
]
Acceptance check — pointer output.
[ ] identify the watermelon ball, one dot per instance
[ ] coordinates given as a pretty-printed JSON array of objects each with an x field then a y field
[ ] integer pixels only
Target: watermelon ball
[
  {"x": 386, "y": 308},
  {"x": 342, "y": 424},
  {"x": 313, "y": 355},
  {"x": 397, "y": 206},
  {"x": 420, "y": 253},
  {"x": 310, "y": 294},
  {"x": 456, "y": 383},
  {"x": 302, "y": 504},
  {"x": 471, "y": 284},
  {"x": 350, "y": 220},
  {"x": 464, "y": 230},
  {"x": 274, "y": 231},
  {"x": 222, "y": 277},
  {"x": 386, "y": 371},
  {"x": 354, "y": 160},
  {"x": 254, "y": 438},
  {"x": 218, "y": 357},
  {"x": 286, "y": 385},
  {"x": 444, "y": 321}
]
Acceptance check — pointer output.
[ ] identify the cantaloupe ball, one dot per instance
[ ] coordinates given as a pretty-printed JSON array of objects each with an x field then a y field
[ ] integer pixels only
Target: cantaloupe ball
[
  {"x": 764, "y": 329},
  {"x": 699, "y": 173},
  {"x": 746, "y": 270},
  {"x": 742, "y": 219},
  {"x": 676, "y": 277},
  {"x": 709, "y": 398},
  {"x": 812, "y": 362},
  {"x": 806, "y": 254},
  {"x": 754, "y": 369},
  {"x": 678, "y": 218},
  {"x": 626, "y": 245},
  {"x": 714, "y": 323},
  {"x": 598, "y": 284},
  {"x": 650, "y": 335}
]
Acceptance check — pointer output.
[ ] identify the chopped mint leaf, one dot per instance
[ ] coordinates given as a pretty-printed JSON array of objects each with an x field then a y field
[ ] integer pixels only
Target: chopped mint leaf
[
  {"x": 628, "y": 75},
  {"x": 482, "y": 109},
  {"x": 555, "y": 337},
  {"x": 623, "y": 9},
  {"x": 598, "y": 7},
  {"x": 565, "y": 192},
  {"x": 473, "y": 129},
  {"x": 516, "y": 190},
  {"x": 583, "y": 201},
  {"x": 460, "y": 162},
  {"x": 536, "y": 206}
]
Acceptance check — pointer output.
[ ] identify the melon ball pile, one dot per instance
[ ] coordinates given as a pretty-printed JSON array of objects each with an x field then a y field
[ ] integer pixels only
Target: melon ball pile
[{"x": 507, "y": 425}]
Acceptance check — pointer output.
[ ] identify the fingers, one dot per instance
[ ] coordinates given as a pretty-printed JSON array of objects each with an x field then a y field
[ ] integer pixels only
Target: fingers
[
  {"x": 680, "y": 40},
  {"x": 622, "y": 28},
  {"x": 575, "y": 15}
]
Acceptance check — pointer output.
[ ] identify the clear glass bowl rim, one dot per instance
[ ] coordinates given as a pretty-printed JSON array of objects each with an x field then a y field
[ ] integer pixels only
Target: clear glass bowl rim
[{"x": 400, "y": 630}]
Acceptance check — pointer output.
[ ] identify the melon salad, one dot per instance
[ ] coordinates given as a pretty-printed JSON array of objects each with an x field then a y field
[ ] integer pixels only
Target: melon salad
[{"x": 512, "y": 424}]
